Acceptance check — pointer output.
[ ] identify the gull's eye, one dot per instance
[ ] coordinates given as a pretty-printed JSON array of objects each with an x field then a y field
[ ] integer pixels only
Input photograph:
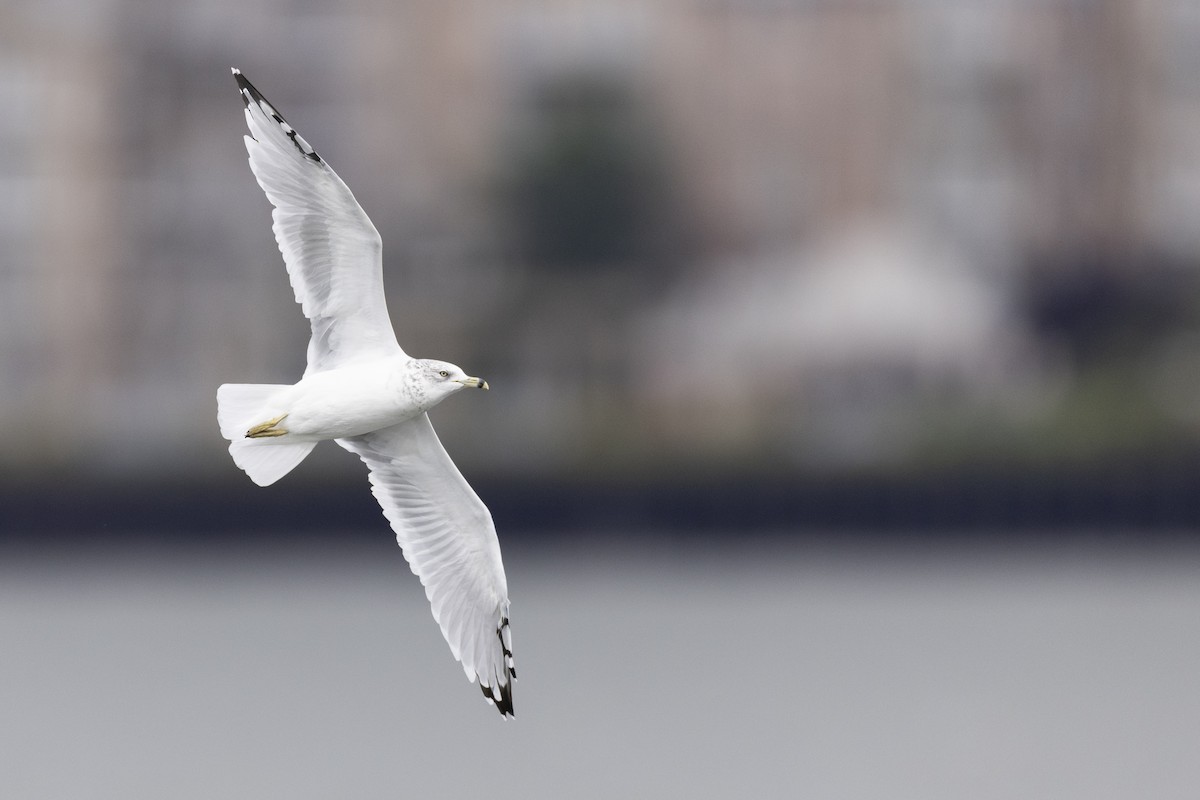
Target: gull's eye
[{"x": 443, "y": 373}]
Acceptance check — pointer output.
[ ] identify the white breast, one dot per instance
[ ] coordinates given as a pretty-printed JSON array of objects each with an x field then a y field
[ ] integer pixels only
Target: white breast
[{"x": 353, "y": 400}]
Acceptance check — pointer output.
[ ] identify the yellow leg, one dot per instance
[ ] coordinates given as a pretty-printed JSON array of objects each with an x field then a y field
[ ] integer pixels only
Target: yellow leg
[{"x": 267, "y": 429}]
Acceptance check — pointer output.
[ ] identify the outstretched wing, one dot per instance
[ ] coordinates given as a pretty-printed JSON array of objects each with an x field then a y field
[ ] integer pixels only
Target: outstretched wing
[
  {"x": 448, "y": 537},
  {"x": 333, "y": 253}
]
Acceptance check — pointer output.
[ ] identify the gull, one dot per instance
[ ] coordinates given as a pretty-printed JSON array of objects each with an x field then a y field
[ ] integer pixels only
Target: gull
[{"x": 363, "y": 391}]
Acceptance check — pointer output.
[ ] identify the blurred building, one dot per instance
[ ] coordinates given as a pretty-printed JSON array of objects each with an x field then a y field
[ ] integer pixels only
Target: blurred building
[{"x": 137, "y": 270}]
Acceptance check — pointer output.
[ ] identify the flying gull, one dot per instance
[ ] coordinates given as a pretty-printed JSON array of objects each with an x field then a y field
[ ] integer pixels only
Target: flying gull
[{"x": 364, "y": 392}]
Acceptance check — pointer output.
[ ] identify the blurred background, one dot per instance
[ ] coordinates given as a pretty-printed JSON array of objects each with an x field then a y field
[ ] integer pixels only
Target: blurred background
[{"x": 844, "y": 429}]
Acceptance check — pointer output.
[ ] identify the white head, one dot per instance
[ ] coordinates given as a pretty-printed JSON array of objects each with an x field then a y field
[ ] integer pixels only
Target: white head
[{"x": 440, "y": 379}]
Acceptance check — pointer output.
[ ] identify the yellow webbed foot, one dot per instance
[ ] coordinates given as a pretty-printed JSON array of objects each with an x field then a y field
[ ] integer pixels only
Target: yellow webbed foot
[{"x": 267, "y": 429}]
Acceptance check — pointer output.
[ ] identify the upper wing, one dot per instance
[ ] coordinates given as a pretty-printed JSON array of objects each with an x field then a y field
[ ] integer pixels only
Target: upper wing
[
  {"x": 448, "y": 537},
  {"x": 333, "y": 253}
]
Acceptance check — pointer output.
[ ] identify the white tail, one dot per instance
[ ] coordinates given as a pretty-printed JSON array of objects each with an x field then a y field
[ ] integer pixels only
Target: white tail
[
  {"x": 239, "y": 407},
  {"x": 242, "y": 405},
  {"x": 268, "y": 460}
]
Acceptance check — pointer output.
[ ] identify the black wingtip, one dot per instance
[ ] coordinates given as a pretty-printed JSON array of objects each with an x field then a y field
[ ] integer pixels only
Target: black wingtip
[
  {"x": 251, "y": 94},
  {"x": 501, "y": 694},
  {"x": 245, "y": 87},
  {"x": 501, "y": 697}
]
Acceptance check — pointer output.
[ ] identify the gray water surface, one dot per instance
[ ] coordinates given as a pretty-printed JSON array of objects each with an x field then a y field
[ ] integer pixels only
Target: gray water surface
[{"x": 645, "y": 671}]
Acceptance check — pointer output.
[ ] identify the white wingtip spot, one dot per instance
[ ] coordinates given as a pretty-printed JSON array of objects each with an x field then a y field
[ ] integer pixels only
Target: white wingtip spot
[{"x": 235, "y": 70}]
